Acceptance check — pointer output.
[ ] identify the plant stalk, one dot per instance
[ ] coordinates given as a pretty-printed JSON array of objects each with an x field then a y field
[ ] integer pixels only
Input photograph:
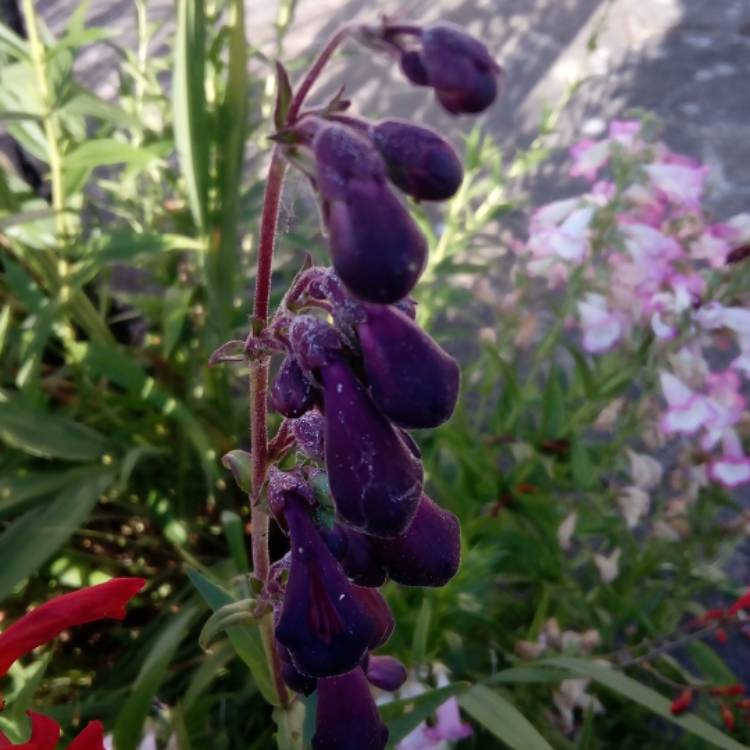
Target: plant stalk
[{"x": 50, "y": 125}]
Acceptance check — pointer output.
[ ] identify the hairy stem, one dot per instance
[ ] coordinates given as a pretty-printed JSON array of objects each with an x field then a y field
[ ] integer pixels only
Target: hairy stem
[{"x": 258, "y": 401}]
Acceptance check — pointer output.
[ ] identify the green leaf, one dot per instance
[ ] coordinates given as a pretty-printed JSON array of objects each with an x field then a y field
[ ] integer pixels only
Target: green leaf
[
  {"x": 712, "y": 667},
  {"x": 502, "y": 719},
  {"x": 523, "y": 675},
  {"x": 237, "y": 613},
  {"x": 283, "y": 96},
  {"x": 553, "y": 407},
  {"x": 232, "y": 116},
  {"x": 644, "y": 696},
  {"x": 246, "y": 640},
  {"x": 405, "y": 715},
  {"x": 235, "y": 533},
  {"x": 49, "y": 527},
  {"x": 18, "y": 493},
  {"x": 422, "y": 631},
  {"x": 48, "y": 435},
  {"x": 128, "y": 728},
  {"x": 189, "y": 104},
  {"x": 240, "y": 463},
  {"x": 176, "y": 306},
  {"x": 104, "y": 151},
  {"x": 207, "y": 672}
]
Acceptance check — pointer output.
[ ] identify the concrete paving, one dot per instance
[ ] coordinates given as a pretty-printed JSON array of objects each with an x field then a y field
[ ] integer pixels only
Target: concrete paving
[{"x": 686, "y": 60}]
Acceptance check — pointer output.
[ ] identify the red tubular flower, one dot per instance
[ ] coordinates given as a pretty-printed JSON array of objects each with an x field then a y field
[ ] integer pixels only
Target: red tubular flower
[
  {"x": 721, "y": 636},
  {"x": 682, "y": 702},
  {"x": 728, "y": 690},
  {"x": 742, "y": 603},
  {"x": 45, "y": 734},
  {"x": 48, "y": 620},
  {"x": 727, "y": 716}
]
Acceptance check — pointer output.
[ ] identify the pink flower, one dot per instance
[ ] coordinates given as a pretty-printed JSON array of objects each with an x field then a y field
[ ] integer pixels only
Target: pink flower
[
  {"x": 688, "y": 411},
  {"x": 602, "y": 329},
  {"x": 733, "y": 467},
  {"x": 681, "y": 183},
  {"x": 625, "y": 132},
  {"x": 713, "y": 245},
  {"x": 588, "y": 158},
  {"x": 726, "y": 404}
]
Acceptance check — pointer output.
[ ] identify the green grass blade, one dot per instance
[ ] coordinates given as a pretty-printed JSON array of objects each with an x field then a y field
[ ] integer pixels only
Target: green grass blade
[
  {"x": 129, "y": 724},
  {"x": 502, "y": 719},
  {"x": 189, "y": 106}
]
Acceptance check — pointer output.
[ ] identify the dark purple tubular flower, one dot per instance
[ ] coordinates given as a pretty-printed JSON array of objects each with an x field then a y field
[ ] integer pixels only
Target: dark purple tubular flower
[
  {"x": 375, "y": 479},
  {"x": 412, "y": 380},
  {"x": 347, "y": 717},
  {"x": 325, "y": 627},
  {"x": 380, "y": 613},
  {"x": 385, "y": 672},
  {"x": 419, "y": 161},
  {"x": 428, "y": 553},
  {"x": 293, "y": 678},
  {"x": 292, "y": 392},
  {"x": 458, "y": 66},
  {"x": 360, "y": 561},
  {"x": 376, "y": 247}
]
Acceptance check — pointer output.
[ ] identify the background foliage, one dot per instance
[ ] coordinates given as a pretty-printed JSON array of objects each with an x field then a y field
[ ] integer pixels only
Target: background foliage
[{"x": 126, "y": 254}]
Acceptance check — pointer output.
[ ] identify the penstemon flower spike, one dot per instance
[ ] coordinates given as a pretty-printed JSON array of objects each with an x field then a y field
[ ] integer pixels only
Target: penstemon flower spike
[{"x": 356, "y": 373}]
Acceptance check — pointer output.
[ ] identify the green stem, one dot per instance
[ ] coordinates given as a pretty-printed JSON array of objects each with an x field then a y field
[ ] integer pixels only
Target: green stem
[{"x": 50, "y": 123}]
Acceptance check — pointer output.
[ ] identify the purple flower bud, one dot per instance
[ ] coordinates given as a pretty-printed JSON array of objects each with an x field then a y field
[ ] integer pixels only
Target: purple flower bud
[
  {"x": 375, "y": 479},
  {"x": 419, "y": 161},
  {"x": 325, "y": 627},
  {"x": 308, "y": 431},
  {"x": 347, "y": 717},
  {"x": 458, "y": 66},
  {"x": 380, "y": 613},
  {"x": 292, "y": 392},
  {"x": 428, "y": 553},
  {"x": 293, "y": 678},
  {"x": 313, "y": 341},
  {"x": 342, "y": 155},
  {"x": 386, "y": 672},
  {"x": 360, "y": 559},
  {"x": 376, "y": 247},
  {"x": 411, "y": 379}
]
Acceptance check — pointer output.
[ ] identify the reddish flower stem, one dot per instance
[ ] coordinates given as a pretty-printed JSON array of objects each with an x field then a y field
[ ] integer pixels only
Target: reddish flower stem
[{"x": 312, "y": 75}]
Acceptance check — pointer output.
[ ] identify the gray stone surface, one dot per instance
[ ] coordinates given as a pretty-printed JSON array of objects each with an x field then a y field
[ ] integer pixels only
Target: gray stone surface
[{"x": 687, "y": 60}]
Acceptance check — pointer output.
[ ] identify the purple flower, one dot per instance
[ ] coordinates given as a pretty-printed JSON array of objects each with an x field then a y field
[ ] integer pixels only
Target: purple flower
[
  {"x": 347, "y": 717},
  {"x": 357, "y": 555},
  {"x": 376, "y": 248},
  {"x": 375, "y": 479},
  {"x": 323, "y": 624},
  {"x": 293, "y": 678},
  {"x": 428, "y": 553},
  {"x": 292, "y": 392},
  {"x": 419, "y": 161},
  {"x": 411, "y": 379},
  {"x": 386, "y": 672},
  {"x": 458, "y": 66},
  {"x": 377, "y": 608}
]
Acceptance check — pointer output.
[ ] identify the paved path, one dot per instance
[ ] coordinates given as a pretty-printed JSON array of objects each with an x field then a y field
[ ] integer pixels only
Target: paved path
[{"x": 686, "y": 60}]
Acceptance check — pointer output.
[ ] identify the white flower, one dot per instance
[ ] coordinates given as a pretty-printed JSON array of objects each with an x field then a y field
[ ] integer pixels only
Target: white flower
[
  {"x": 634, "y": 504},
  {"x": 566, "y": 529},
  {"x": 609, "y": 567},
  {"x": 645, "y": 470}
]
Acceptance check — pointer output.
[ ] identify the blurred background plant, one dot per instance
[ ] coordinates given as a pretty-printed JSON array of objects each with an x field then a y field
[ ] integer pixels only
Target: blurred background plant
[{"x": 127, "y": 233}]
